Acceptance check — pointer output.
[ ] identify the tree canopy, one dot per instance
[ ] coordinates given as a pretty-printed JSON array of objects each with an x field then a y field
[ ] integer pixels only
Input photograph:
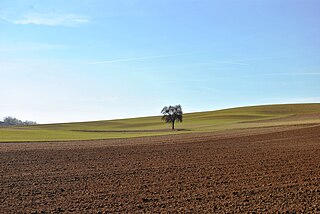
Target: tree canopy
[
  {"x": 12, "y": 121},
  {"x": 172, "y": 114}
]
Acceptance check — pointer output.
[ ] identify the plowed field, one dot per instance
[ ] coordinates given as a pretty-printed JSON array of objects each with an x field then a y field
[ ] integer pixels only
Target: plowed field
[{"x": 252, "y": 170}]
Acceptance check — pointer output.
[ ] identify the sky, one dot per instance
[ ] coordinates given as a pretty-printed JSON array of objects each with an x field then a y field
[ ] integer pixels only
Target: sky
[{"x": 63, "y": 61}]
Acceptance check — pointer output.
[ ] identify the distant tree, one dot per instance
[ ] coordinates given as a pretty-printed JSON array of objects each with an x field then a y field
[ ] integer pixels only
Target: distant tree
[
  {"x": 12, "y": 121},
  {"x": 172, "y": 114},
  {"x": 29, "y": 123}
]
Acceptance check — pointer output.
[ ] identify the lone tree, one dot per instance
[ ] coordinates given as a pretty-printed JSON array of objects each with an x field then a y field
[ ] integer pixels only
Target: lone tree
[{"x": 172, "y": 114}]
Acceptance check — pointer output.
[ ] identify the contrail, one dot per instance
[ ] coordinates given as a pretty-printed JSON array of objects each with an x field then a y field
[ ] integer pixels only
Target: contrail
[
  {"x": 232, "y": 62},
  {"x": 134, "y": 59}
]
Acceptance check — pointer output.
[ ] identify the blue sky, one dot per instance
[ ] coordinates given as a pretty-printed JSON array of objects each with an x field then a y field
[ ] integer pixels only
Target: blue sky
[{"x": 85, "y": 60}]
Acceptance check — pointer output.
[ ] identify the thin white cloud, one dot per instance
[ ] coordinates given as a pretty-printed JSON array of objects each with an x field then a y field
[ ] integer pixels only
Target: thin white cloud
[
  {"x": 231, "y": 62},
  {"x": 22, "y": 47},
  {"x": 69, "y": 20},
  {"x": 133, "y": 59},
  {"x": 293, "y": 74}
]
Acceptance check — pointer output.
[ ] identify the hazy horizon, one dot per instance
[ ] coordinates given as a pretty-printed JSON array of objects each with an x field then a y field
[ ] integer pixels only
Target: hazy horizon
[{"x": 96, "y": 60}]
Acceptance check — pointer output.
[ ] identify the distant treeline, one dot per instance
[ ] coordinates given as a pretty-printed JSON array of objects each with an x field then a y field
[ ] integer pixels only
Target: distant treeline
[{"x": 12, "y": 121}]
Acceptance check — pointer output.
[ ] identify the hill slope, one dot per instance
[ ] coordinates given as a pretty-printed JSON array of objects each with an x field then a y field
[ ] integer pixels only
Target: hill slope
[{"x": 235, "y": 118}]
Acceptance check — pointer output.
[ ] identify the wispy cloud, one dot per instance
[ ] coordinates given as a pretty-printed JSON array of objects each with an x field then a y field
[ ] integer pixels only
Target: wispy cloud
[
  {"x": 232, "y": 62},
  {"x": 293, "y": 74},
  {"x": 30, "y": 47},
  {"x": 133, "y": 59},
  {"x": 69, "y": 20}
]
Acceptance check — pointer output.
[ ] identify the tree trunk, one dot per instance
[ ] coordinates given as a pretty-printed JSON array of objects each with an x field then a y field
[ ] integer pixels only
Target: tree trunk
[{"x": 173, "y": 125}]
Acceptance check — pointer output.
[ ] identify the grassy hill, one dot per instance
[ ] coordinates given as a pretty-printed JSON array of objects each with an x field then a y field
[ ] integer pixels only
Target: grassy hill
[{"x": 235, "y": 118}]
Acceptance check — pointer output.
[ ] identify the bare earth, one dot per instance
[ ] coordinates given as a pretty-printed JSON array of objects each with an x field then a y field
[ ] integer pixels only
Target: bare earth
[{"x": 254, "y": 170}]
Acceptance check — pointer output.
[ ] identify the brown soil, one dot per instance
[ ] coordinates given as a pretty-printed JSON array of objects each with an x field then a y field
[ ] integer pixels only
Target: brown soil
[{"x": 254, "y": 170}]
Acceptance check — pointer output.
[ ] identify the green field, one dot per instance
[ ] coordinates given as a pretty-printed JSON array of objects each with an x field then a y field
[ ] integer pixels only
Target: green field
[{"x": 235, "y": 118}]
